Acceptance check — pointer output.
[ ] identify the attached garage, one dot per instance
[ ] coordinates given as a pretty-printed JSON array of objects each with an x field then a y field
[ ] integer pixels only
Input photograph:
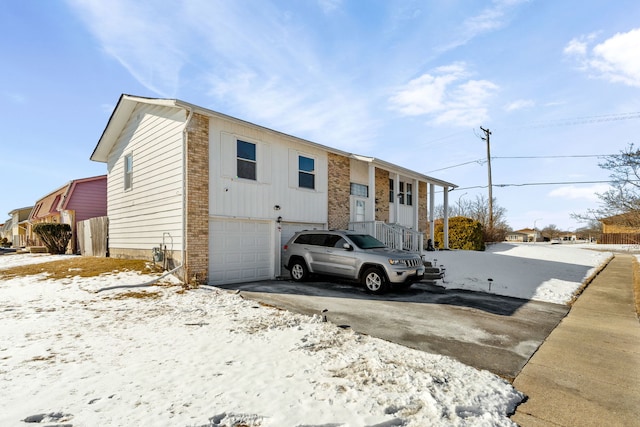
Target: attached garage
[{"x": 240, "y": 251}]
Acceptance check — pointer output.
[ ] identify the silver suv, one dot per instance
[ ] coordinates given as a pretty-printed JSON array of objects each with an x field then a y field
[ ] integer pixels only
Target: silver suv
[{"x": 353, "y": 256}]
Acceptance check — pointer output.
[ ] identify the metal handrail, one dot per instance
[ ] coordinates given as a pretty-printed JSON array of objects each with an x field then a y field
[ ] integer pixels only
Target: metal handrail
[{"x": 395, "y": 236}]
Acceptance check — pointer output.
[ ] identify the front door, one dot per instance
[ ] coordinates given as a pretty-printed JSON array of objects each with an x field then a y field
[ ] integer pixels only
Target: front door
[{"x": 358, "y": 209}]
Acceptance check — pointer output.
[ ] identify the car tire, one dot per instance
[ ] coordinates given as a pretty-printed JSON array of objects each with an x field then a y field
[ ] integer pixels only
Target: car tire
[
  {"x": 299, "y": 271},
  {"x": 374, "y": 281}
]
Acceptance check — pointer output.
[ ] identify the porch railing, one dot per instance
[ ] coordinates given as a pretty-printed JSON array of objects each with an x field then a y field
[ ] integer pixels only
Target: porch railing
[{"x": 393, "y": 235}]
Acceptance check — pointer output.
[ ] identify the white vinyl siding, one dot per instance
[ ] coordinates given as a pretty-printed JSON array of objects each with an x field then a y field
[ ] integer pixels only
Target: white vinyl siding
[
  {"x": 230, "y": 196},
  {"x": 153, "y": 207}
]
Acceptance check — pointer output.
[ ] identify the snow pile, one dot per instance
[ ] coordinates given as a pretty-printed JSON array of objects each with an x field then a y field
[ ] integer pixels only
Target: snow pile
[
  {"x": 162, "y": 356},
  {"x": 542, "y": 272}
]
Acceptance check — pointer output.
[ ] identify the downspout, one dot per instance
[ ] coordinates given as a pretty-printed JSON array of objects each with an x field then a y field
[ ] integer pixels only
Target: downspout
[{"x": 185, "y": 138}]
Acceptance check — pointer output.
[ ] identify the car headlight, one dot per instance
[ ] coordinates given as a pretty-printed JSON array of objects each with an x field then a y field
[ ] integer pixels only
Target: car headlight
[{"x": 395, "y": 261}]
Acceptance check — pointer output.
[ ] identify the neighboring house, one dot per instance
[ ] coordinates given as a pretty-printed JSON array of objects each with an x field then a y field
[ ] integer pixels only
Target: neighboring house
[
  {"x": 75, "y": 201},
  {"x": 15, "y": 229},
  {"x": 621, "y": 229},
  {"x": 517, "y": 236},
  {"x": 5, "y": 231},
  {"x": 533, "y": 235},
  {"x": 220, "y": 196}
]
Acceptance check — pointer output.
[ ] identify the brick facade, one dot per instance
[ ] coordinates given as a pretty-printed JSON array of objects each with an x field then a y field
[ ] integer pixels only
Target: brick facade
[
  {"x": 196, "y": 265},
  {"x": 339, "y": 191},
  {"x": 423, "y": 216},
  {"x": 382, "y": 195}
]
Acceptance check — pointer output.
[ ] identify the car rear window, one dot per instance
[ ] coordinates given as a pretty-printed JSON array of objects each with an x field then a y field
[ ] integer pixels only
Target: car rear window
[{"x": 312, "y": 239}]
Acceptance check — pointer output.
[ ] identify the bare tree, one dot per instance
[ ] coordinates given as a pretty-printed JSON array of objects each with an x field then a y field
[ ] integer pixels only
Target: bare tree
[
  {"x": 550, "y": 232},
  {"x": 624, "y": 195},
  {"x": 478, "y": 210}
]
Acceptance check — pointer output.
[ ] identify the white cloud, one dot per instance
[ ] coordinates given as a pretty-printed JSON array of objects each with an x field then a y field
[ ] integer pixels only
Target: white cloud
[
  {"x": 329, "y": 6},
  {"x": 492, "y": 18},
  {"x": 446, "y": 96},
  {"x": 576, "y": 47},
  {"x": 519, "y": 105},
  {"x": 616, "y": 59},
  {"x": 141, "y": 38},
  {"x": 572, "y": 192},
  {"x": 16, "y": 98}
]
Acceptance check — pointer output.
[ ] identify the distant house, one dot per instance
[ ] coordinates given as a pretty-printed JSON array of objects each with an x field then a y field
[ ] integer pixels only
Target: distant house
[
  {"x": 15, "y": 229},
  {"x": 524, "y": 235},
  {"x": 75, "y": 201},
  {"x": 621, "y": 229},
  {"x": 517, "y": 236},
  {"x": 220, "y": 196}
]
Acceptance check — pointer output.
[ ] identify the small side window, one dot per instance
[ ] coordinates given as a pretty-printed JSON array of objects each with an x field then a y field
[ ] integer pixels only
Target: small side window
[
  {"x": 391, "y": 191},
  {"x": 128, "y": 171}
]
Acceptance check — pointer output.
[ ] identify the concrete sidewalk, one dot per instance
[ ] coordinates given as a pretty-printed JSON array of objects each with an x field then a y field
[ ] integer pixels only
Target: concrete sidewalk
[{"x": 587, "y": 372}]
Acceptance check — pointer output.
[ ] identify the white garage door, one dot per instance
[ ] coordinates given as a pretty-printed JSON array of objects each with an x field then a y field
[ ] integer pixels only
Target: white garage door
[
  {"x": 288, "y": 230},
  {"x": 240, "y": 251}
]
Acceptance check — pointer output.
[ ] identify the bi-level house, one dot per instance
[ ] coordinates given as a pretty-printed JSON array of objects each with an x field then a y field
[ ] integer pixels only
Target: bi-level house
[{"x": 220, "y": 196}]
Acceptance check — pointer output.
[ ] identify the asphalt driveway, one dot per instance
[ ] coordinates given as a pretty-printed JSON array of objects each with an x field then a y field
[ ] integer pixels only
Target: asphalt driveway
[{"x": 486, "y": 331}]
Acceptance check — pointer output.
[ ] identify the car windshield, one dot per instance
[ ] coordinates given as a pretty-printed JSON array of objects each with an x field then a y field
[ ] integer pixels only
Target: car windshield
[{"x": 364, "y": 241}]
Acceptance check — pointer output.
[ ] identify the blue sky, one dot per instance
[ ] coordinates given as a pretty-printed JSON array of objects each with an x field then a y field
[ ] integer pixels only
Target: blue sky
[{"x": 409, "y": 82}]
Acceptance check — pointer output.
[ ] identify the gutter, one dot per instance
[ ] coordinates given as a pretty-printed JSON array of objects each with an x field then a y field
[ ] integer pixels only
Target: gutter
[{"x": 185, "y": 138}]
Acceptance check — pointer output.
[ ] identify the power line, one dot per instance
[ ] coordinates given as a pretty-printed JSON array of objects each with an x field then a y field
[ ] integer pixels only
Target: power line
[
  {"x": 554, "y": 157},
  {"x": 479, "y": 161},
  {"x": 483, "y": 161},
  {"x": 540, "y": 183},
  {"x": 585, "y": 120}
]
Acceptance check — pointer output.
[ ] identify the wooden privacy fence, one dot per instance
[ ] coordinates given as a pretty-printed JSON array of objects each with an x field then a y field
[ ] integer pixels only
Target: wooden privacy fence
[
  {"x": 619, "y": 239},
  {"x": 93, "y": 235}
]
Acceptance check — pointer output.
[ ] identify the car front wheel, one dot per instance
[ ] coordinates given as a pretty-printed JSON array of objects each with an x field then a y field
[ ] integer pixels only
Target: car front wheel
[
  {"x": 299, "y": 271},
  {"x": 374, "y": 280}
]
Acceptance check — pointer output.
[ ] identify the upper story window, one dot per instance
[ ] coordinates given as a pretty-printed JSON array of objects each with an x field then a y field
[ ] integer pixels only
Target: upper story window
[
  {"x": 359, "y": 190},
  {"x": 405, "y": 193},
  {"x": 128, "y": 171},
  {"x": 246, "y": 160},
  {"x": 306, "y": 172}
]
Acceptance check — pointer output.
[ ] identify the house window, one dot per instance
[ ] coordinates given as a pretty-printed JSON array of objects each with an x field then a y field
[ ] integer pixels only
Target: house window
[
  {"x": 128, "y": 171},
  {"x": 409, "y": 194},
  {"x": 401, "y": 193},
  {"x": 359, "y": 190},
  {"x": 391, "y": 191},
  {"x": 246, "y": 158},
  {"x": 306, "y": 172}
]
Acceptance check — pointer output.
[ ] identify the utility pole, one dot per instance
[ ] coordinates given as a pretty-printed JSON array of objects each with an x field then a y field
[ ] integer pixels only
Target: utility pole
[{"x": 487, "y": 134}]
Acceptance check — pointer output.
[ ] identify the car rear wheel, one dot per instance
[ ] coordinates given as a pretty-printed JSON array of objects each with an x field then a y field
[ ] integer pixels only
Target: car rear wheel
[
  {"x": 299, "y": 270},
  {"x": 374, "y": 280}
]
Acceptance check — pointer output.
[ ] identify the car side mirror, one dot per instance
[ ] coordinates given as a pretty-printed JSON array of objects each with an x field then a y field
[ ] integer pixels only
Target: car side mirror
[{"x": 347, "y": 246}]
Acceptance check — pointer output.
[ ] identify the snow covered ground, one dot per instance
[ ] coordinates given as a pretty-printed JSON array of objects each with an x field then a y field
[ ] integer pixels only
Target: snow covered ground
[
  {"x": 536, "y": 271},
  {"x": 71, "y": 355}
]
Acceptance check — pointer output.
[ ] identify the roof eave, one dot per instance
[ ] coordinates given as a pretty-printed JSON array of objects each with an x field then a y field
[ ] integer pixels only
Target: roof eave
[{"x": 118, "y": 120}]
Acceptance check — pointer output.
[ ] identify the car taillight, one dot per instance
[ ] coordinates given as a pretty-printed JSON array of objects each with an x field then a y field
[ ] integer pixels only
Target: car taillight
[{"x": 285, "y": 247}]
